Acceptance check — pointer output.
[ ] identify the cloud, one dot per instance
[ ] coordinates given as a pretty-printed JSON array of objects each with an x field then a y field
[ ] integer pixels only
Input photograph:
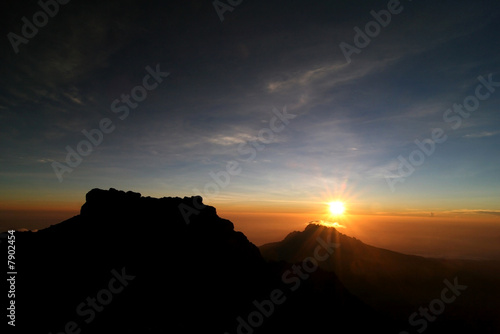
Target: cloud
[
  {"x": 44, "y": 160},
  {"x": 482, "y": 134},
  {"x": 302, "y": 79},
  {"x": 327, "y": 223},
  {"x": 328, "y": 76},
  {"x": 228, "y": 140},
  {"x": 475, "y": 211}
]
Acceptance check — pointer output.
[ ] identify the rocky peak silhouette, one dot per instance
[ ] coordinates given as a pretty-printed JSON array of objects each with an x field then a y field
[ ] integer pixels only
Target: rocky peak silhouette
[{"x": 201, "y": 276}]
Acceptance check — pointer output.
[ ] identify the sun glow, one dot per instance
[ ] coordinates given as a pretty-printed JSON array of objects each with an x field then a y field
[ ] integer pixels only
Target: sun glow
[{"x": 336, "y": 208}]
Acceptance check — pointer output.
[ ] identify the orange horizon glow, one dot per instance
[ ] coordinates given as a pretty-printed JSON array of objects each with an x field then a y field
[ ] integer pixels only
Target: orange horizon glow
[{"x": 410, "y": 231}]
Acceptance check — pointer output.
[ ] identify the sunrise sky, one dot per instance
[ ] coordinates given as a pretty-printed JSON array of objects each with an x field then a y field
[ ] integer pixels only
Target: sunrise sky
[{"x": 228, "y": 87}]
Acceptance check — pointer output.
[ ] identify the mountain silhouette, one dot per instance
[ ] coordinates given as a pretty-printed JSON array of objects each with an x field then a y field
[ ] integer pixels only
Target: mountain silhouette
[
  {"x": 132, "y": 264},
  {"x": 398, "y": 284}
]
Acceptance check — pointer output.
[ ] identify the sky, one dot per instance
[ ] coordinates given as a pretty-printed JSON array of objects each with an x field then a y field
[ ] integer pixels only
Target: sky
[{"x": 259, "y": 107}]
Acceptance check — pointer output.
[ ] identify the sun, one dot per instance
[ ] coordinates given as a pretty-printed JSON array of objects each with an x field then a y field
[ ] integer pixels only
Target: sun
[{"x": 336, "y": 208}]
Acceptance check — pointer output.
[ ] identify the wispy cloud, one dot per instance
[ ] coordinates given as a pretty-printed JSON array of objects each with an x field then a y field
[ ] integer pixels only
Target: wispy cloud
[
  {"x": 482, "y": 134},
  {"x": 327, "y": 223},
  {"x": 306, "y": 78},
  {"x": 228, "y": 140},
  {"x": 474, "y": 211}
]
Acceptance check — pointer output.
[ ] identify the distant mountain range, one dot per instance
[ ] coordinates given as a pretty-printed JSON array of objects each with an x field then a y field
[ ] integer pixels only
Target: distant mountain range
[{"x": 131, "y": 264}]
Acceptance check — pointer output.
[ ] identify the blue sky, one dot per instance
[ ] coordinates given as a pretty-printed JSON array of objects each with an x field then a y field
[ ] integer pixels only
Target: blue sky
[{"x": 352, "y": 119}]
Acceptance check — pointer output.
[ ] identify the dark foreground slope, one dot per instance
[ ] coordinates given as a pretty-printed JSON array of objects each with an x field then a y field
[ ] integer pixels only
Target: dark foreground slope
[
  {"x": 130, "y": 264},
  {"x": 399, "y": 285}
]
